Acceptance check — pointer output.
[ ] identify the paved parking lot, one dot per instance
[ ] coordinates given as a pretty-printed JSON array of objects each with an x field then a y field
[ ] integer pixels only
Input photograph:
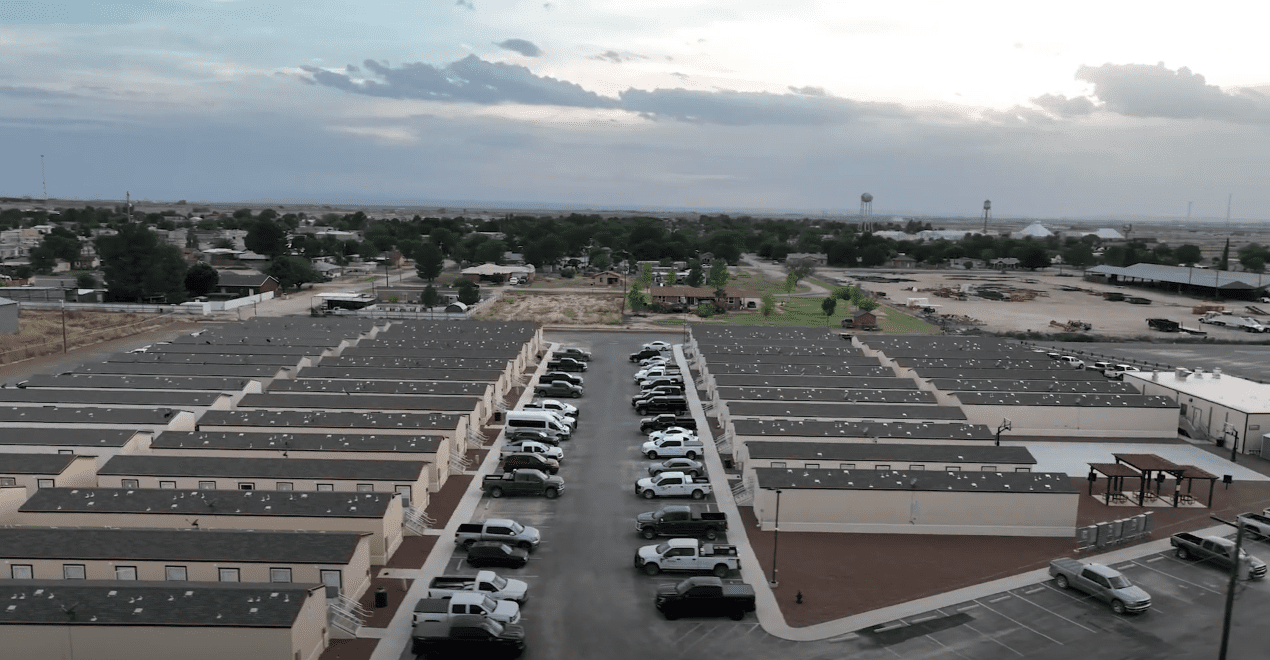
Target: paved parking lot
[{"x": 588, "y": 601}]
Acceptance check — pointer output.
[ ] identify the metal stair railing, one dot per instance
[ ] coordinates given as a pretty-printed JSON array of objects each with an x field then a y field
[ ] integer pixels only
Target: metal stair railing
[{"x": 741, "y": 493}]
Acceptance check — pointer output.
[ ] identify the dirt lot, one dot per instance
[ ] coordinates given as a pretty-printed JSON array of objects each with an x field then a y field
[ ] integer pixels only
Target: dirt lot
[
  {"x": 556, "y": 308},
  {"x": 41, "y": 332},
  {"x": 1040, "y": 299}
]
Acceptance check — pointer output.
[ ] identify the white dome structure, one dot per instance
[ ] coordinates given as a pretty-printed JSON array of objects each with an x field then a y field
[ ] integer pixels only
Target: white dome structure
[{"x": 1034, "y": 230}]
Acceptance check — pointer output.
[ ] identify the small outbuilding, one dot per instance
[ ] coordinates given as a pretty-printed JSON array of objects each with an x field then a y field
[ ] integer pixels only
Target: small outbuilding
[{"x": 862, "y": 320}]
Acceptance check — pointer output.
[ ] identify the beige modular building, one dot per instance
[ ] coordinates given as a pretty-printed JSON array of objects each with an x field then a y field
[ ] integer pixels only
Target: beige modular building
[
  {"x": 473, "y": 408},
  {"x": 162, "y": 620},
  {"x": 869, "y": 456},
  {"x": 430, "y": 449},
  {"x": 99, "y": 443},
  {"x": 1073, "y": 414},
  {"x": 116, "y": 398},
  {"x": 454, "y": 428},
  {"x": 377, "y": 514},
  {"x": 47, "y": 470},
  {"x": 1226, "y": 410},
  {"x": 234, "y": 388},
  {"x": 338, "y": 560},
  {"x": 406, "y": 478},
  {"x": 152, "y": 420},
  {"x": 916, "y": 502},
  {"x": 858, "y": 431}
]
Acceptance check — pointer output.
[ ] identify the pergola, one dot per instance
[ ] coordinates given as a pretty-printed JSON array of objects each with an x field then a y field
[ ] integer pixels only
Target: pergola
[
  {"x": 1152, "y": 465},
  {"x": 1116, "y": 473},
  {"x": 1190, "y": 475}
]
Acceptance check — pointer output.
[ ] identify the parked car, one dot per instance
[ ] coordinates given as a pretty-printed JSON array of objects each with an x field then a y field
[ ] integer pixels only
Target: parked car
[
  {"x": 553, "y": 376},
  {"x": 662, "y": 404},
  {"x": 1118, "y": 371},
  {"x": 705, "y": 596},
  {"x": 1164, "y": 325},
  {"x": 486, "y": 582},
  {"x": 1257, "y": 524},
  {"x": 573, "y": 352},
  {"x": 655, "y": 360},
  {"x": 673, "y": 379},
  {"x": 644, "y": 353},
  {"x": 685, "y": 465},
  {"x": 467, "y": 636},
  {"x": 501, "y": 530},
  {"x": 466, "y": 602},
  {"x": 1100, "y": 366},
  {"x": 672, "y": 484},
  {"x": 688, "y": 555},
  {"x": 483, "y": 554},
  {"x": 673, "y": 446},
  {"x": 558, "y": 388},
  {"x": 533, "y": 447},
  {"x": 534, "y": 435},
  {"x": 1214, "y": 318},
  {"x": 1101, "y": 582},
  {"x": 522, "y": 482},
  {"x": 1073, "y": 362},
  {"x": 660, "y": 390},
  {"x": 554, "y": 406},
  {"x": 679, "y": 520},
  {"x": 1217, "y": 551},
  {"x": 674, "y": 431},
  {"x": 566, "y": 364},
  {"x": 665, "y": 421},
  {"x": 659, "y": 346},
  {"x": 529, "y": 461}
]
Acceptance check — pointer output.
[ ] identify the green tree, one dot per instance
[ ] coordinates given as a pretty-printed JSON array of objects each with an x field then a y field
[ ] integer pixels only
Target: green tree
[
  {"x": 600, "y": 261},
  {"x": 828, "y": 305},
  {"x": 1033, "y": 256},
  {"x": 1224, "y": 264},
  {"x": 469, "y": 294},
  {"x": 636, "y": 298},
  {"x": 1078, "y": 255},
  {"x": 42, "y": 260},
  {"x": 429, "y": 298},
  {"x": 267, "y": 238},
  {"x": 769, "y": 304},
  {"x": 292, "y": 271},
  {"x": 445, "y": 239},
  {"x": 139, "y": 268},
  {"x": 791, "y": 281},
  {"x": 429, "y": 262},
  {"x": 718, "y": 277},
  {"x": 86, "y": 281},
  {"x": 645, "y": 278},
  {"x": 63, "y": 243},
  {"x": 695, "y": 275},
  {"x": 867, "y": 305},
  {"x": 672, "y": 278},
  {"x": 490, "y": 252},
  {"x": 1253, "y": 257},
  {"x": 223, "y": 244},
  {"x": 201, "y": 279},
  {"x": 1188, "y": 254}
]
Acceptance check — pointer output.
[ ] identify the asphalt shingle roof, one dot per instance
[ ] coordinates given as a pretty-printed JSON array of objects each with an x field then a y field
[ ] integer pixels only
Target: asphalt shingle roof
[
  {"x": 165, "y": 501},
  {"x": 920, "y": 480},
  {"x": 346, "y": 442},
  {"x": 261, "y": 468},
  {"x": 868, "y": 451},
  {"x": 263, "y": 546}
]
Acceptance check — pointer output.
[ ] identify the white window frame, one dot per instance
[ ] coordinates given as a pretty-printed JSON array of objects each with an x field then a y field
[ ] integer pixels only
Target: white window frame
[
  {"x": 276, "y": 573},
  {"x": 169, "y": 571},
  {"x": 69, "y": 572}
]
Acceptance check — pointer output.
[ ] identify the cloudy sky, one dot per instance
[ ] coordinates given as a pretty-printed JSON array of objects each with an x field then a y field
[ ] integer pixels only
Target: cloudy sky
[{"x": 1048, "y": 109}]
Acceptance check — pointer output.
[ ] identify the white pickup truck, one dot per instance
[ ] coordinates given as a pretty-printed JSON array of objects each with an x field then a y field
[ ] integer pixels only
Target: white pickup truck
[
  {"x": 486, "y": 582},
  {"x": 688, "y": 555},
  {"x": 672, "y": 484},
  {"x": 531, "y": 447},
  {"x": 673, "y": 446},
  {"x": 466, "y": 602}
]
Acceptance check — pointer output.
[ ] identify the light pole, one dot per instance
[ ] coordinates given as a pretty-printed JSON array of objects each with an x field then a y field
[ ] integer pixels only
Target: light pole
[
  {"x": 776, "y": 536},
  {"x": 1006, "y": 425},
  {"x": 1230, "y": 586},
  {"x": 1231, "y": 433}
]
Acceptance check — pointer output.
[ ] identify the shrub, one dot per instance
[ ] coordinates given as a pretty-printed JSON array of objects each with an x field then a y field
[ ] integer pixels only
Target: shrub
[{"x": 705, "y": 310}]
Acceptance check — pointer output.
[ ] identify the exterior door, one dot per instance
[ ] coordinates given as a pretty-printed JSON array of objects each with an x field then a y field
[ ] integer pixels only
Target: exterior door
[
  {"x": 332, "y": 580},
  {"x": 404, "y": 491}
]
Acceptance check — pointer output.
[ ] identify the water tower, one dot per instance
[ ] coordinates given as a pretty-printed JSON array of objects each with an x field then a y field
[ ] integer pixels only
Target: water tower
[
  {"x": 987, "y": 211},
  {"x": 866, "y": 205}
]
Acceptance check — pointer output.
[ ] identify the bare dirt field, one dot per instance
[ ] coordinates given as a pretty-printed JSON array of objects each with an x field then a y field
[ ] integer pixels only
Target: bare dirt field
[
  {"x": 1039, "y": 298},
  {"x": 556, "y": 308},
  {"x": 41, "y": 332}
]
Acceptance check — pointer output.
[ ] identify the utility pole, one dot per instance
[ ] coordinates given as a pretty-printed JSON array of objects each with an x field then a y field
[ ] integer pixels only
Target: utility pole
[
  {"x": 128, "y": 201},
  {"x": 43, "y": 180},
  {"x": 1230, "y": 586}
]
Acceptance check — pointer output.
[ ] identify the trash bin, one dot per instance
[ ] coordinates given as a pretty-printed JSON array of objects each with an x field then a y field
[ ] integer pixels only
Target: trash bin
[
  {"x": 381, "y": 598},
  {"x": 498, "y": 416}
]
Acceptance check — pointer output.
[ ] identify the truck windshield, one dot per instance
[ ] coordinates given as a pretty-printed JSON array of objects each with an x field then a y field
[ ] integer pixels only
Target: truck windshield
[
  {"x": 489, "y": 604},
  {"x": 662, "y": 548},
  {"x": 498, "y": 582},
  {"x": 1119, "y": 582},
  {"x": 517, "y": 528}
]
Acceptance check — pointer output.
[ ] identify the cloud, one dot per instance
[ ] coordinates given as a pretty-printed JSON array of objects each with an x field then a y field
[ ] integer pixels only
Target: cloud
[
  {"x": 469, "y": 80},
  {"x": 474, "y": 80},
  {"x": 466, "y": 4},
  {"x": 1141, "y": 90},
  {"x": 1063, "y": 106},
  {"x": 616, "y": 57},
  {"x": 809, "y": 91},
  {"x": 526, "y": 48}
]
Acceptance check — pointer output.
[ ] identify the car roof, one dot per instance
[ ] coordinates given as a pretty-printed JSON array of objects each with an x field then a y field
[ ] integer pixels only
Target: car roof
[{"x": 1105, "y": 571}]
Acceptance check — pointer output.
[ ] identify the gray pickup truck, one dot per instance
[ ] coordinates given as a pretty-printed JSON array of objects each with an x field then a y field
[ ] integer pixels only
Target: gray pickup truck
[
  {"x": 497, "y": 529},
  {"x": 1101, "y": 582},
  {"x": 1217, "y": 551}
]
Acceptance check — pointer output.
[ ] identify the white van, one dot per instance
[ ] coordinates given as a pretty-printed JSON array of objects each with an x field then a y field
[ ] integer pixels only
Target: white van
[{"x": 539, "y": 420}]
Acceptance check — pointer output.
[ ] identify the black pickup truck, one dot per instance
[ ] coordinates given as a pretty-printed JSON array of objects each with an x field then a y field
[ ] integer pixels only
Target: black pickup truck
[
  {"x": 522, "y": 482},
  {"x": 705, "y": 596},
  {"x": 662, "y": 404},
  {"x": 566, "y": 364},
  {"x": 665, "y": 421},
  {"x": 681, "y": 520},
  {"x": 469, "y": 636},
  {"x": 644, "y": 353}
]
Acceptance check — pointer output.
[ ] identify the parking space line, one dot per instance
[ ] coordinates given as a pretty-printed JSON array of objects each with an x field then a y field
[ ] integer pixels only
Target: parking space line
[
  {"x": 993, "y": 639},
  {"x": 924, "y": 618},
  {"x": 1024, "y": 625},
  {"x": 685, "y": 635},
  {"x": 1036, "y": 589},
  {"x": 999, "y": 598},
  {"x": 944, "y": 645},
  {"x": 893, "y": 626},
  {"x": 1174, "y": 577},
  {"x": 1053, "y": 612},
  {"x": 967, "y": 607},
  {"x": 1155, "y": 559},
  {"x": 697, "y": 640}
]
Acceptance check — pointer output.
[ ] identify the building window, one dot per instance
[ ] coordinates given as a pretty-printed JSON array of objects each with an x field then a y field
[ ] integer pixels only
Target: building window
[
  {"x": 74, "y": 572},
  {"x": 246, "y": 485},
  {"x": 325, "y": 487},
  {"x": 22, "y": 572},
  {"x": 279, "y": 575},
  {"x": 778, "y": 464},
  {"x": 365, "y": 488},
  {"x": 847, "y": 466},
  {"x": 1022, "y": 469},
  {"x": 207, "y": 485},
  {"x": 229, "y": 575},
  {"x": 44, "y": 483},
  {"x": 811, "y": 466},
  {"x": 177, "y": 573},
  {"x": 8, "y": 481},
  {"x": 286, "y": 485},
  {"x": 167, "y": 484},
  {"x": 881, "y": 467},
  {"x": 953, "y": 468},
  {"x": 125, "y": 572},
  {"x": 917, "y": 466},
  {"x": 130, "y": 483},
  {"x": 66, "y": 451},
  {"x": 988, "y": 468}
]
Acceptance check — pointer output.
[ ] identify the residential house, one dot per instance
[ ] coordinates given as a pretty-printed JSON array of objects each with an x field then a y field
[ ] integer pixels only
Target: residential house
[
  {"x": 862, "y": 320},
  {"x": 606, "y": 278},
  {"x": 240, "y": 284}
]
